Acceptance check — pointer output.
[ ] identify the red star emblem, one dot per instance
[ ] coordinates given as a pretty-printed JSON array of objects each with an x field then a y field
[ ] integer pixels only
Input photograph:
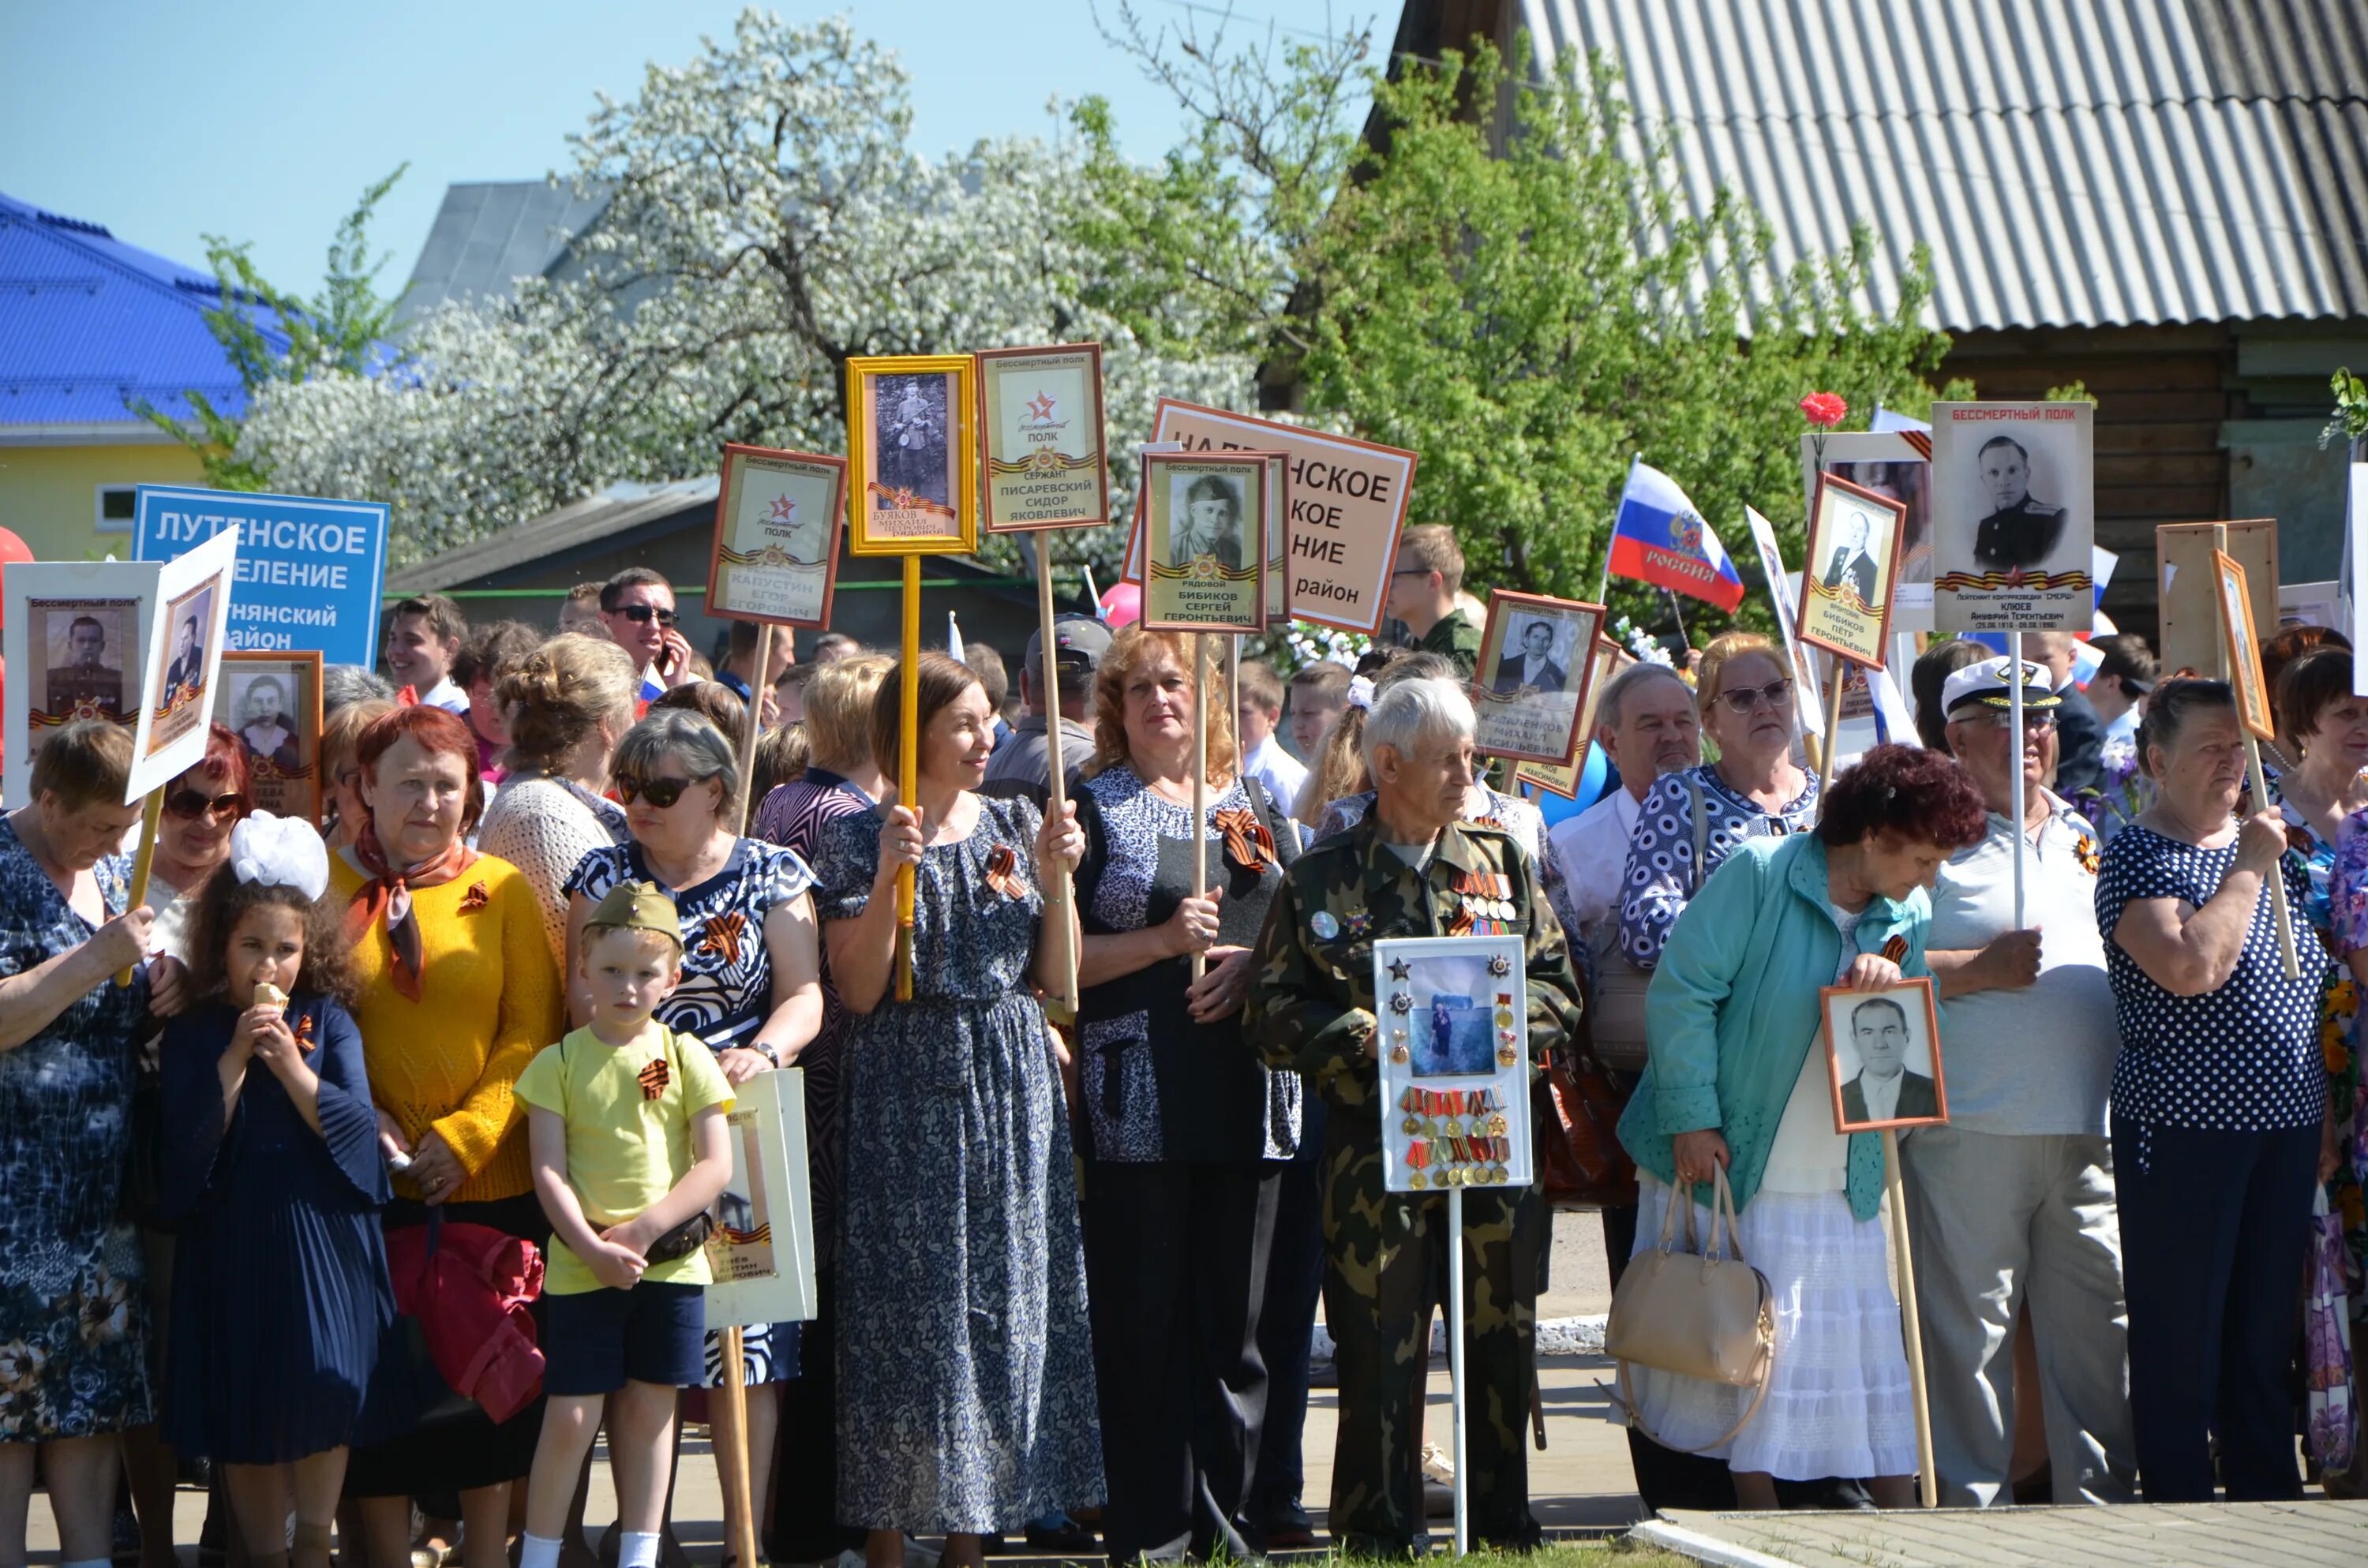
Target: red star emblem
[
  {"x": 1040, "y": 408},
  {"x": 784, "y": 510}
]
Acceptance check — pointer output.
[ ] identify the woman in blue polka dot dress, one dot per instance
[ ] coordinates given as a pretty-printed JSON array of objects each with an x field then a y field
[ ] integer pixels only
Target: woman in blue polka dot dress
[{"x": 2217, "y": 1099}]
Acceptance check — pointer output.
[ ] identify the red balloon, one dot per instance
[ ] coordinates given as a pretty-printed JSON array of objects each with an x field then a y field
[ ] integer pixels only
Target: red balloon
[
  {"x": 11, "y": 549},
  {"x": 1121, "y": 603}
]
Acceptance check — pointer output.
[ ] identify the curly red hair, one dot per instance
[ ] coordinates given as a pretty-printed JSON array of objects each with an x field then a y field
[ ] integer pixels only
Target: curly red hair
[
  {"x": 224, "y": 764},
  {"x": 435, "y": 730},
  {"x": 1914, "y": 793}
]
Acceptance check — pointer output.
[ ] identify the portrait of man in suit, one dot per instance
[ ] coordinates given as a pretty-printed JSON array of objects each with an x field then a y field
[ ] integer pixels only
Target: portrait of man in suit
[
  {"x": 1533, "y": 666},
  {"x": 1851, "y": 561},
  {"x": 188, "y": 660},
  {"x": 1885, "y": 1090}
]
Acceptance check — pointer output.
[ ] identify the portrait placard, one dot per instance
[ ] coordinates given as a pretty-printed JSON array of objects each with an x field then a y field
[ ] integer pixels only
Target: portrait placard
[
  {"x": 1533, "y": 677},
  {"x": 2234, "y": 602},
  {"x": 1277, "y": 539},
  {"x": 1562, "y": 778},
  {"x": 1204, "y": 517},
  {"x": 1882, "y": 1052},
  {"x": 762, "y": 1250},
  {"x": 72, "y": 642},
  {"x": 184, "y": 654},
  {"x": 776, "y": 517},
  {"x": 272, "y": 703},
  {"x": 1893, "y": 463},
  {"x": 1454, "y": 1063},
  {"x": 1853, "y": 560},
  {"x": 2188, "y": 600},
  {"x": 2013, "y": 516},
  {"x": 1041, "y": 437},
  {"x": 1348, "y": 502},
  {"x": 912, "y": 455}
]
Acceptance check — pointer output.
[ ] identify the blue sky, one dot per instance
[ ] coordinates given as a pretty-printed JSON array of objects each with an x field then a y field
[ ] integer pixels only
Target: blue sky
[{"x": 263, "y": 120}]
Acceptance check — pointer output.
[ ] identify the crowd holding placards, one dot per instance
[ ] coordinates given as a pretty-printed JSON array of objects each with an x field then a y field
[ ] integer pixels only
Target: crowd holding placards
[{"x": 493, "y": 1008}]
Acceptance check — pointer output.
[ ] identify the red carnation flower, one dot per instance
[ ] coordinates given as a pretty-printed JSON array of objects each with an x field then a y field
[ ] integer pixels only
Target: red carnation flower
[{"x": 1825, "y": 410}]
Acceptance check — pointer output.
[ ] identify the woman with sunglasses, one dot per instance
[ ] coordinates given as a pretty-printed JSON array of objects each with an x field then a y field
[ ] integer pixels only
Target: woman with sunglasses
[
  {"x": 458, "y": 993},
  {"x": 966, "y": 1391},
  {"x": 1693, "y": 819},
  {"x": 751, "y": 982}
]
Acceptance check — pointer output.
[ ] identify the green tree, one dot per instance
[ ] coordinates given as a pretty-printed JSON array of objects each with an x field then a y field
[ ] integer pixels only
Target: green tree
[
  {"x": 272, "y": 337},
  {"x": 1503, "y": 276}
]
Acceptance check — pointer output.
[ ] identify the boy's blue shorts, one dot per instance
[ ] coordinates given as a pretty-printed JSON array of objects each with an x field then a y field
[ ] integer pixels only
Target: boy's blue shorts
[{"x": 594, "y": 1340}]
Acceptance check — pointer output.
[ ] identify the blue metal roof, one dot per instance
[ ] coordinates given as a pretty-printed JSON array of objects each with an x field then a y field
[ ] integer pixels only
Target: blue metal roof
[{"x": 88, "y": 325}]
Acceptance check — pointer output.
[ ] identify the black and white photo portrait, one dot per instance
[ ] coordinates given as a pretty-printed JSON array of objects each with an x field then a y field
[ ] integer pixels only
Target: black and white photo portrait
[
  {"x": 1884, "y": 1057},
  {"x": 2021, "y": 530},
  {"x": 911, "y": 437},
  {"x": 1207, "y": 520},
  {"x": 1533, "y": 664}
]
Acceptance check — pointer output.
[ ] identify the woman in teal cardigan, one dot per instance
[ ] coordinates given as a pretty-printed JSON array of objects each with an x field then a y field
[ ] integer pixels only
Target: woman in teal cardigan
[{"x": 1737, "y": 1078}]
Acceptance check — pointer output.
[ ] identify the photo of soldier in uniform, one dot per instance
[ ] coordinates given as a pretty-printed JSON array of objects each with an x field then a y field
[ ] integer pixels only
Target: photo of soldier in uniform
[
  {"x": 85, "y": 643},
  {"x": 1207, "y": 520},
  {"x": 2021, "y": 530},
  {"x": 910, "y": 437},
  {"x": 1884, "y": 1054},
  {"x": 1849, "y": 561},
  {"x": 1533, "y": 666}
]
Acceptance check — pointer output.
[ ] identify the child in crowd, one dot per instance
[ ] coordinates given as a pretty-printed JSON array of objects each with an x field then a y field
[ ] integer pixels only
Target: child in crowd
[
  {"x": 280, "y": 1290},
  {"x": 625, "y": 1124}
]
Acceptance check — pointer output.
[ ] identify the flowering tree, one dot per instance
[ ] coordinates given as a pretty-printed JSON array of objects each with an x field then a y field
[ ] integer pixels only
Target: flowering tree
[{"x": 767, "y": 220}]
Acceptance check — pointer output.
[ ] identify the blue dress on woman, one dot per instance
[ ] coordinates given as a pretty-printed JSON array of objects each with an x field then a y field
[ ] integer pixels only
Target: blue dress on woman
[{"x": 279, "y": 1285}]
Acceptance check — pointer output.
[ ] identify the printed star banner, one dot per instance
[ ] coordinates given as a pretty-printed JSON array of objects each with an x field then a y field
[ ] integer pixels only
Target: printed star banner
[{"x": 1660, "y": 539}]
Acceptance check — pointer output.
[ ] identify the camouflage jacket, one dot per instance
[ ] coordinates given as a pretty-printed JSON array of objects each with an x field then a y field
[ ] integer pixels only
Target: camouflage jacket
[
  {"x": 1311, "y": 1005},
  {"x": 1458, "y": 639}
]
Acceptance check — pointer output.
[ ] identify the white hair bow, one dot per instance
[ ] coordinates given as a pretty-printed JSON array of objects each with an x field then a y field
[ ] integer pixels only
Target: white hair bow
[
  {"x": 1360, "y": 691},
  {"x": 280, "y": 852}
]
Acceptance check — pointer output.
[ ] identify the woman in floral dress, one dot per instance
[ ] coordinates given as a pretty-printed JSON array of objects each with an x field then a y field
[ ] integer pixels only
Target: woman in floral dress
[
  {"x": 72, "y": 1326},
  {"x": 966, "y": 1375}
]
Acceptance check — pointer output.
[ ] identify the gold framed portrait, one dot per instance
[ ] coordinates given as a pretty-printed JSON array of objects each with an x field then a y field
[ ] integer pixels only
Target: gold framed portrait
[{"x": 912, "y": 454}]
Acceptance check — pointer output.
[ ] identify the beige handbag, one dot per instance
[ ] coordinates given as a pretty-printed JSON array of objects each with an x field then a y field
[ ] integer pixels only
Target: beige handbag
[{"x": 1705, "y": 1314}]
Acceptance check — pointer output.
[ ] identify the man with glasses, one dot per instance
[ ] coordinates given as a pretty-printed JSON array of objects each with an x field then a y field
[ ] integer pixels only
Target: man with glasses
[
  {"x": 1423, "y": 584},
  {"x": 2011, "y": 1202},
  {"x": 423, "y": 634},
  {"x": 637, "y": 606}
]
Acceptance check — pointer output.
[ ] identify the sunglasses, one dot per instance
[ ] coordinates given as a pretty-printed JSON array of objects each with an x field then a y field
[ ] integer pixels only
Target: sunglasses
[
  {"x": 1742, "y": 699},
  {"x": 2037, "y": 721},
  {"x": 641, "y": 614},
  {"x": 658, "y": 793},
  {"x": 190, "y": 805}
]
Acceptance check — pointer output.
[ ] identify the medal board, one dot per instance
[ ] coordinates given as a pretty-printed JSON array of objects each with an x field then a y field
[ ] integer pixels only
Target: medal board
[{"x": 1453, "y": 1015}]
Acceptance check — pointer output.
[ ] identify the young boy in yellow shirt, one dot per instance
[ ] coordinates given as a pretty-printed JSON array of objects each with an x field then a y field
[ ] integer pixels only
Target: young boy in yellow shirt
[{"x": 625, "y": 1121}]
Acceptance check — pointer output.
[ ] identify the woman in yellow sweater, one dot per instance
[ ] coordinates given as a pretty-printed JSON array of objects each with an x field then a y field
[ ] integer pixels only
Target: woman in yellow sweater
[{"x": 458, "y": 994}]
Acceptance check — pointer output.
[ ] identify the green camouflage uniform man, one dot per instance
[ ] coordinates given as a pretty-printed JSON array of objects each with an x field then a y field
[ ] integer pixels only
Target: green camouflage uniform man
[{"x": 1311, "y": 1007}]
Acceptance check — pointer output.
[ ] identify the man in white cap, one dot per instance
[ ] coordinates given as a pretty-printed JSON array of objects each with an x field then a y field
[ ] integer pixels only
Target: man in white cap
[{"x": 2011, "y": 1202}]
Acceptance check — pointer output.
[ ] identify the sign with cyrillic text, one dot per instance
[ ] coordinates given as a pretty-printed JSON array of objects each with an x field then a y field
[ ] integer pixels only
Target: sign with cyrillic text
[{"x": 309, "y": 571}]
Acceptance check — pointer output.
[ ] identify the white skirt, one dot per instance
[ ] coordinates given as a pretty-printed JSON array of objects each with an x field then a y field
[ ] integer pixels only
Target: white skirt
[{"x": 1838, "y": 1401}]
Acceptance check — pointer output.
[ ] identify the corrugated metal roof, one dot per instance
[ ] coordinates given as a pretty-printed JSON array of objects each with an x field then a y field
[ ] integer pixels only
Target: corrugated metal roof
[
  {"x": 89, "y": 324},
  {"x": 2083, "y": 163},
  {"x": 571, "y": 530},
  {"x": 487, "y": 236}
]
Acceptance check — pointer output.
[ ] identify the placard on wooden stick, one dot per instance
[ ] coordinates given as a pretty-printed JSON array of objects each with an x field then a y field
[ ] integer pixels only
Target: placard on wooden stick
[
  {"x": 777, "y": 523},
  {"x": 74, "y": 635},
  {"x": 1205, "y": 532},
  {"x": 1532, "y": 693},
  {"x": 1854, "y": 541},
  {"x": 2191, "y": 617}
]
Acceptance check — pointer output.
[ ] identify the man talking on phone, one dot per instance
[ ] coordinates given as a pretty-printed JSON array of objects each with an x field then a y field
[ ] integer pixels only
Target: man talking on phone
[{"x": 637, "y": 606}]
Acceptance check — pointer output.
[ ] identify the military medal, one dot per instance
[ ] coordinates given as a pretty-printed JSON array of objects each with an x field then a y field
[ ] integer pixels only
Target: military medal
[
  {"x": 1500, "y": 965},
  {"x": 1401, "y": 1002},
  {"x": 1400, "y": 969}
]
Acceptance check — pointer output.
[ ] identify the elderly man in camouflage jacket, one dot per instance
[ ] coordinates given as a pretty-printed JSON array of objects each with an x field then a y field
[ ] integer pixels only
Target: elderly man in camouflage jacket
[{"x": 1410, "y": 868}]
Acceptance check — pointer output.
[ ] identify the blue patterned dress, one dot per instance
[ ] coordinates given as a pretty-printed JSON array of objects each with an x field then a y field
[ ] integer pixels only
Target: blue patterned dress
[
  {"x": 724, "y": 998},
  {"x": 965, "y": 1363},
  {"x": 74, "y": 1328}
]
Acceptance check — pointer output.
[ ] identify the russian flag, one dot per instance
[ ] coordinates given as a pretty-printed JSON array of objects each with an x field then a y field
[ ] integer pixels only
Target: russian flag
[{"x": 1660, "y": 539}]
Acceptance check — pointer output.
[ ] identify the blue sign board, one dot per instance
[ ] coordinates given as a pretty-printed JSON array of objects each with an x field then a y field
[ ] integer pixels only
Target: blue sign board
[{"x": 309, "y": 571}]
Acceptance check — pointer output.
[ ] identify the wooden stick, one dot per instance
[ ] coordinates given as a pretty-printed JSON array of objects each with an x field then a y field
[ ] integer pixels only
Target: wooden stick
[
  {"x": 151, "y": 812},
  {"x": 753, "y": 729},
  {"x": 1199, "y": 782},
  {"x": 1833, "y": 731},
  {"x": 1461, "y": 1410},
  {"x": 1928, "y": 1477},
  {"x": 728, "y": 1428},
  {"x": 908, "y": 766},
  {"x": 1059, "y": 891},
  {"x": 2260, "y": 785}
]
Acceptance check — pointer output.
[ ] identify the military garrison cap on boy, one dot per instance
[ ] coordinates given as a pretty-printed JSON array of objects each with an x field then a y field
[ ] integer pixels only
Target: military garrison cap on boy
[{"x": 637, "y": 906}]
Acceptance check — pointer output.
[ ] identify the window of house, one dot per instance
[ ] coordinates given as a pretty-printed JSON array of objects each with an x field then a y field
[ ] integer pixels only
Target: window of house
[{"x": 116, "y": 507}]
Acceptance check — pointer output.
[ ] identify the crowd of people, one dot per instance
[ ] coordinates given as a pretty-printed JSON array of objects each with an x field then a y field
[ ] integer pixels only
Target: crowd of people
[{"x": 493, "y": 1005}]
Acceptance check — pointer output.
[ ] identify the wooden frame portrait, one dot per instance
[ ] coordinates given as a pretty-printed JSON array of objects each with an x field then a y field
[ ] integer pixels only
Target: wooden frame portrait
[
  {"x": 184, "y": 654},
  {"x": 912, "y": 454},
  {"x": 1205, "y": 531},
  {"x": 1455, "y": 1061},
  {"x": 2233, "y": 601},
  {"x": 1042, "y": 446},
  {"x": 1898, "y": 463},
  {"x": 73, "y": 643},
  {"x": 1562, "y": 778},
  {"x": 777, "y": 521},
  {"x": 2190, "y": 619},
  {"x": 1898, "y": 1025},
  {"x": 1536, "y": 664},
  {"x": 271, "y": 701},
  {"x": 1853, "y": 565}
]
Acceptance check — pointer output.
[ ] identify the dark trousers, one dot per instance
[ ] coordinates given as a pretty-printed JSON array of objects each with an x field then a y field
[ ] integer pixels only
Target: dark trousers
[
  {"x": 2214, "y": 1226},
  {"x": 1665, "y": 1478},
  {"x": 805, "y": 1457},
  {"x": 1294, "y": 1282},
  {"x": 1176, "y": 1263}
]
